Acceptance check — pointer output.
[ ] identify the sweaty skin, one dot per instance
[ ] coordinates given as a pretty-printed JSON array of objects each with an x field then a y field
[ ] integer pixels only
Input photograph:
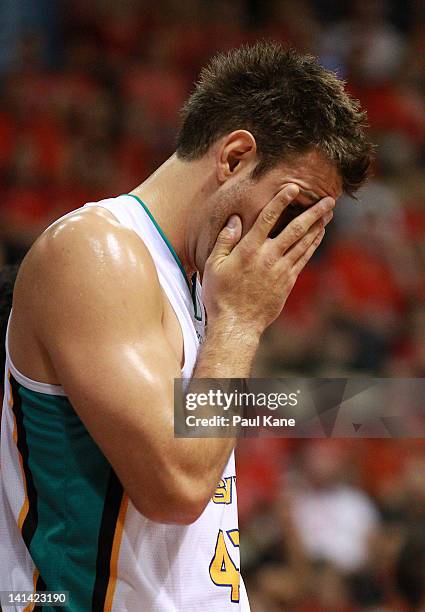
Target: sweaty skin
[{"x": 89, "y": 314}]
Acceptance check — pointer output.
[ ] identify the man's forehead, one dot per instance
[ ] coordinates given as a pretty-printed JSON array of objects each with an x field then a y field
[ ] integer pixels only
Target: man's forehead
[{"x": 315, "y": 175}]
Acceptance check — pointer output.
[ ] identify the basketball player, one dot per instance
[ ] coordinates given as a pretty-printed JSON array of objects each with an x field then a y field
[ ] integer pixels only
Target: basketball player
[{"x": 97, "y": 497}]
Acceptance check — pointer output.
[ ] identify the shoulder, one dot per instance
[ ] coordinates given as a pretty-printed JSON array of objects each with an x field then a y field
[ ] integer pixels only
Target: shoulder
[
  {"x": 90, "y": 252},
  {"x": 93, "y": 231},
  {"x": 356, "y": 501}
]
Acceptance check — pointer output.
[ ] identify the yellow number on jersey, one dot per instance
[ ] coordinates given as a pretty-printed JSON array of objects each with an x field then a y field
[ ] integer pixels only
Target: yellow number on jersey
[
  {"x": 223, "y": 492},
  {"x": 223, "y": 571}
]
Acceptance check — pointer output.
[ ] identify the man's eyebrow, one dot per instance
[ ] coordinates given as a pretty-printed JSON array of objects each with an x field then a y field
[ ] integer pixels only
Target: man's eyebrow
[{"x": 313, "y": 197}]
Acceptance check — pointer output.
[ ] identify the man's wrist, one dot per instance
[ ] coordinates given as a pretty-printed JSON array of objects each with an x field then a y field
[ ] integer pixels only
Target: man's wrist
[{"x": 231, "y": 327}]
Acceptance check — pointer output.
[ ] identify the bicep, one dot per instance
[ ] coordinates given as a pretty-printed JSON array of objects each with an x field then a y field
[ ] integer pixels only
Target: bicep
[{"x": 123, "y": 392}]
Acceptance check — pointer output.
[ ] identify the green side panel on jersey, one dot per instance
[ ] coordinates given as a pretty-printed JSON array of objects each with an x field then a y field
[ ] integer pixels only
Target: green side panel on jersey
[{"x": 70, "y": 475}]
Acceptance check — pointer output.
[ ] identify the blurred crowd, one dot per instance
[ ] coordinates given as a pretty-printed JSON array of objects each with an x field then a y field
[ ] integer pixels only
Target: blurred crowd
[
  {"x": 89, "y": 100},
  {"x": 325, "y": 524}
]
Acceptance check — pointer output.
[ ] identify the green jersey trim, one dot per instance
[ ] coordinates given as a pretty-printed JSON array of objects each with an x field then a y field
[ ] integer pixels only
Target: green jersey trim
[
  {"x": 198, "y": 311},
  {"x": 163, "y": 236}
]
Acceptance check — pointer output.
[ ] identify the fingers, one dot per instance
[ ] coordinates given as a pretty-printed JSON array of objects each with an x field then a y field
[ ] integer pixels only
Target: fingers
[
  {"x": 305, "y": 258},
  {"x": 227, "y": 238},
  {"x": 293, "y": 254},
  {"x": 270, "y": 214},
  {"x": 299, "y": 227}
]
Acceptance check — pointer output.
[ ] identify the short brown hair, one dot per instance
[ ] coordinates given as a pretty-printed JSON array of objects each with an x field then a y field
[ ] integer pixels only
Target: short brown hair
[{"x": 287, "y": 100}]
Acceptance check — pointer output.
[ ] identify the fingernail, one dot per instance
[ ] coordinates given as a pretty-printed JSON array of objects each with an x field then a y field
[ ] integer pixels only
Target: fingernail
[{"x": 232, "y": 222}]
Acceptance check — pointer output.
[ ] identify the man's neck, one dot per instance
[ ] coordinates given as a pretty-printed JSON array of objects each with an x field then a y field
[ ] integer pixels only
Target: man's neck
[{"x": 171, "y": 194}]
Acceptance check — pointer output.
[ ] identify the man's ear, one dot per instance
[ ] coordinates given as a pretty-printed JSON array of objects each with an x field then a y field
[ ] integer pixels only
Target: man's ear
[{"x": 235, "y": 151}]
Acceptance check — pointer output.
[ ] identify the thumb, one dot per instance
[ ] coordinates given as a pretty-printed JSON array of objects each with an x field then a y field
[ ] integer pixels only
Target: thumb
[{"x": 227, "y": 238}]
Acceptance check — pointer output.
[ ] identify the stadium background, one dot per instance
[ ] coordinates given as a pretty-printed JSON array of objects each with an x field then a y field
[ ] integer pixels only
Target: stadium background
[{"x": 89, "y": 98}]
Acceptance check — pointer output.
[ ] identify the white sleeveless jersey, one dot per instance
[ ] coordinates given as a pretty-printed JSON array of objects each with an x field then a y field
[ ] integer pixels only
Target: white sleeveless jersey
[{"x": 65, "y": 522}]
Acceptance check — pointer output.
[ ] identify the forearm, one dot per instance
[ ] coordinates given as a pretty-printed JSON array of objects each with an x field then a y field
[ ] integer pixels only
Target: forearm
[{"x": 228, "y": 352}]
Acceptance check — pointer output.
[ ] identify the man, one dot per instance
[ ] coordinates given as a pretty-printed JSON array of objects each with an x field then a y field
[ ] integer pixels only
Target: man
[{"x": 97, "y": 496}]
